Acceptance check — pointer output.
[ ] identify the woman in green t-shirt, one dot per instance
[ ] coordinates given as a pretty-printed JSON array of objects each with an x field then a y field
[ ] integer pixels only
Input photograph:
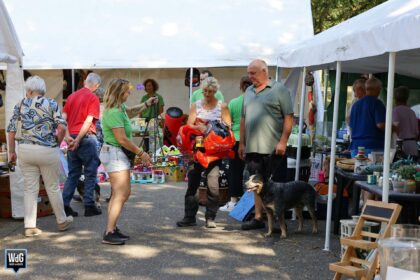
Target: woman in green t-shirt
[
  {"x": 151, "y": 87},
  {"x": 116, "y": 128}
]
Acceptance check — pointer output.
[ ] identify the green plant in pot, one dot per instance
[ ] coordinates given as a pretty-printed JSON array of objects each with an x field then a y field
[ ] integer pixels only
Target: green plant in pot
[{"x": 408, "y": 172}]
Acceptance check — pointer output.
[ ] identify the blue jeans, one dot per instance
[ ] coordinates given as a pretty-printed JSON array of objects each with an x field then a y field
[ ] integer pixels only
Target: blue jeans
[{"x": 83, "y": 160}]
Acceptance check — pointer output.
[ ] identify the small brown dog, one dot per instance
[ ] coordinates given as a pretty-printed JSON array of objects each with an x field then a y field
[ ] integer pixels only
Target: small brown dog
[{"x": 279, "y": 197}]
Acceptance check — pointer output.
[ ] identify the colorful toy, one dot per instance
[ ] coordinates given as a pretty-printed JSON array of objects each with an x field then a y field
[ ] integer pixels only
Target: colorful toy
[{"x": 158, "y": 176}]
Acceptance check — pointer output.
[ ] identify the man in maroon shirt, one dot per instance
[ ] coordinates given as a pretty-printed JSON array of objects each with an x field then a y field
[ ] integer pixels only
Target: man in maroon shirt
[{"x": 81, "y": 112}]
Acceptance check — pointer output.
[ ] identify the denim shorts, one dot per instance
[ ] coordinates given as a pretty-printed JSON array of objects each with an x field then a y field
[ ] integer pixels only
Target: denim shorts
[{"x": 113, "y": 159}]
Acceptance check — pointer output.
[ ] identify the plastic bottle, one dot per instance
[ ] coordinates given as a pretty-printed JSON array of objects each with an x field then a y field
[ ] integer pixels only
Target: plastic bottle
[{"x": 321, "y": 176}]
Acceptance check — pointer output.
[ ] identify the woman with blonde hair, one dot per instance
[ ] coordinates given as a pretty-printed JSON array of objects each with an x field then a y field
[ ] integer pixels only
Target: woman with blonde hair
[
  {"x": 116, "y": 129},
  {"x": 42, "y": 128},
  {"x": 201, "y": 112}
]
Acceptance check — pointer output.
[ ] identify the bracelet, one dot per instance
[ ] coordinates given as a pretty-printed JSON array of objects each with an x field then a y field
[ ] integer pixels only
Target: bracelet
[{"x": 139, "y": 154}]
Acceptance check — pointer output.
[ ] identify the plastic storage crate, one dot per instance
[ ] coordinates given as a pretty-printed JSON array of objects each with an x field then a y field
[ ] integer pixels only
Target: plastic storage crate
[{"x": 347, "y": 228}]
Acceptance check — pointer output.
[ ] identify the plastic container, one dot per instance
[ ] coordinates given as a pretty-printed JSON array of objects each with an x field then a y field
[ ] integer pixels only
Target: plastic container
[
  {"x": 399, "y": 258},
  {"x": 405, "y": 230},
  {"x": 158, "y": 176},
  {"x": 321, "y": 176}
]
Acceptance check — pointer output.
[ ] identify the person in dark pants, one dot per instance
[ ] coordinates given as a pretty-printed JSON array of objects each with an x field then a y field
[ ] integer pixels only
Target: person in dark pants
[
  {"x": 236, "y": 165},
  {"x": 267, "y": 119},
  {"x": 82, "y": 112},
  {"x": 194, "y": 178},
  {"x": 201, "y": 112}
]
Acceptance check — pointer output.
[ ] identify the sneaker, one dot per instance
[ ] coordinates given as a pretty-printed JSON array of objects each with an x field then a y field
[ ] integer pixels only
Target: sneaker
[
  {"x": 121, "y": 235},
  {"x": 64, "y": 226},
  {"x": 210, "y": 224},
  {"x": 253, "y": 224},
  {"x": 228, "y": 206},
  {"x": 70, "y": 212},
  {"x": 112, "y": 238},
  {"x": 30, "y": 232},
  {"x": 186, "y": 222},
  {"x": 92, "y": 211}
]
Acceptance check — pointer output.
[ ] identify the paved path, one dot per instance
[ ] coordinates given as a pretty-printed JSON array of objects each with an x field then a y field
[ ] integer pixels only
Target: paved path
[{"x": 160, "y": 250}]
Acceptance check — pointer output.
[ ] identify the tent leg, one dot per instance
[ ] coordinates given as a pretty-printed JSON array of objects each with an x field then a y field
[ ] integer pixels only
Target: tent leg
[
  {"x": 325, "y": 101},
  {"x": 73, "y": 80},
  {"x": 191, "y": 82},
  {"x": 299, "y": 150},
  {"x": 332, "y": 159},
  {"x": 388, "y": 125},
  {"x": 302, "y": 107}
]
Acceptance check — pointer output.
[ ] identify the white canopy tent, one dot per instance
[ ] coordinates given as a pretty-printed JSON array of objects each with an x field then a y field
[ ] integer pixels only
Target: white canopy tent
[
  {"x": 140, "y": 34},
  {"x": 89, "y": 34},
  {"x": 11, "y": 55},
  {"x": 369, "y": 42}
]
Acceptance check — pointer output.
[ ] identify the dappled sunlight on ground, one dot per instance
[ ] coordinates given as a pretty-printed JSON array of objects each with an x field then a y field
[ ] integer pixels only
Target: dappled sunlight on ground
[
  {"x": 143, "y": 205},
  {"x": 134, "y": 251},
  {"x": 258, "y": 268},
  {"x": 187, "y": 271},
  {"x": 206, "y": 254},
  {"x": 254, "y": 250},
  {"x": 158, "y": 249}
]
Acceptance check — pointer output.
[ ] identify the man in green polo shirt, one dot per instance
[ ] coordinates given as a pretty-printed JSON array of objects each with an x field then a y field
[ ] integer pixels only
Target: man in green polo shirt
[
  {"x": 198, "y": 94},
  {"x": 266, "y": 123}
]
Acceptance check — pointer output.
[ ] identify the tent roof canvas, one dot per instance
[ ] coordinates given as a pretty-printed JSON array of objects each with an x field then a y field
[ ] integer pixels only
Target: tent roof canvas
[
  {"x": 156, "y": 34},
  {"x": 10, "y": 49},
  {"x": 362, "y": 42}
]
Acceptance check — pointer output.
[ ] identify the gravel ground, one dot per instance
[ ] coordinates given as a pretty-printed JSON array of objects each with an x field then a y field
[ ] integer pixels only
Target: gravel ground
[{"x": 160, "y": 250}]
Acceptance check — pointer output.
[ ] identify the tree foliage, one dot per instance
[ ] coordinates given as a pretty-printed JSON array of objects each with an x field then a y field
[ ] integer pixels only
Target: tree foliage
[{"x": 327, "y": 13}]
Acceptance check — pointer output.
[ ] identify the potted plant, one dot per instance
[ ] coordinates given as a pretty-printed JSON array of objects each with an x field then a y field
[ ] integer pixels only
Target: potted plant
[{"x": 408, "y": 173}]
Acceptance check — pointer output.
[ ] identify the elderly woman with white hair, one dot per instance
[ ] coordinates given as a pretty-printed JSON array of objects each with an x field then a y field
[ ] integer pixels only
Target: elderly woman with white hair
[
  {"x": 201, "y": 112},
  {"x": 38, "y": 127}
]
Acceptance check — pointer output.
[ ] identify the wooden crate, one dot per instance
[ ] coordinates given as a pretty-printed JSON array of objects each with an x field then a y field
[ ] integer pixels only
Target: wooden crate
[{"x": 44, "y": 205}]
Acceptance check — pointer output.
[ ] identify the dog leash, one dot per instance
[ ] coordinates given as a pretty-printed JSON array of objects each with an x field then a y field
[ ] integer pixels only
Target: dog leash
[{"x": 271, "y": 162}]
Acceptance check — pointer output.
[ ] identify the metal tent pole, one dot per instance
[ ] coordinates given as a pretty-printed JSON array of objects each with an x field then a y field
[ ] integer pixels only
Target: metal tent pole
[
  {"x": 302, "y": 107},
  {"x": 388, "y": 125},
  {"x": 73, "y": 86},
  {"x": 332, "y": 159},
  {"x": 191, "y": 82},
  {"x": 325, "y": 101}
]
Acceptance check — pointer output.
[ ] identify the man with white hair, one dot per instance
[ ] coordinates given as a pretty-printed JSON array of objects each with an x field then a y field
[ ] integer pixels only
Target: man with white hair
[
  {"x": 266, "y": 123},
  {"x": 82, "y": 112}
]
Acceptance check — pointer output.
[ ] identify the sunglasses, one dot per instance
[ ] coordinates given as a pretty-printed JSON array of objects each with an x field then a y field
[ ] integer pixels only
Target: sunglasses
[{"x": 122, "y": 81}]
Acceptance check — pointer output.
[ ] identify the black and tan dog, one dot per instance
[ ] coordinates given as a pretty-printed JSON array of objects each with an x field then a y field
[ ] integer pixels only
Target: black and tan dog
[{"x": 279, "y": 197}]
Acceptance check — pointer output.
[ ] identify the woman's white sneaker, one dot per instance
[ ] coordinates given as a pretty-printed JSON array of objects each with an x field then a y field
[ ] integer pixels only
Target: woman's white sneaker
[{"x": 228, "y": 206}]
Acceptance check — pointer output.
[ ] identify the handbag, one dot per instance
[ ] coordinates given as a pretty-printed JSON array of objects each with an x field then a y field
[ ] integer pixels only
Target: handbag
[
  {"x": 130, "y": 155},
  {"x": 18, "y": 134}
]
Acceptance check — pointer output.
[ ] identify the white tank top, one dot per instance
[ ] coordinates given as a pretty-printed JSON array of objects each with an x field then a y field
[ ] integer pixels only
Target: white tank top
[{"x": 209, "y": 115}]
